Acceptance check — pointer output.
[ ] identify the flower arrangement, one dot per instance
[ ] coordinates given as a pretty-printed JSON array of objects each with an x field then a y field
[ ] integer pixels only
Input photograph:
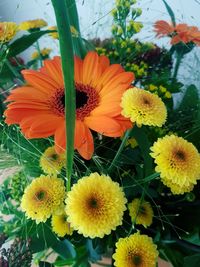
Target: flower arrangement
[{"x": 104, "y": 162}]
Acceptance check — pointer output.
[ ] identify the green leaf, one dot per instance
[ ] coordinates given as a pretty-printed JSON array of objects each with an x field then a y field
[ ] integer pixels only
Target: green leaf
[
  {"x": 24, "y": 42},
  {"x": 62, "y": 10},
  {"x": 144, "y": 145},
  {"x": 170, "y": 12},
  {"x": 64, "y": 262},
  {"x": 192, "y": 261},
  {"x": 173, "y": 256},
  {"x": 190, "y": 99},
  {"x": 65, "y": 249},
  {"x": 45, "y": 264}
]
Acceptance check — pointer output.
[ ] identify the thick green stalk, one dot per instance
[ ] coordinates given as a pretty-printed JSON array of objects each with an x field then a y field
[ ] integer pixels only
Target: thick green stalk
[
  {"x": 177, "y": 65},
  {"x": 61, "y": 8}
]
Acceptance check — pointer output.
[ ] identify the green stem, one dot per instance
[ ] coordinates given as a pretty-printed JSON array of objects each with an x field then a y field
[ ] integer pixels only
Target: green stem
[
  {"x": 61, "y": 9},
  {"x": 123, "y": 143},
  {"x": 39, "y": 52},
  {"x": 13, "y": 70},
  {"x": 177, "y": 65}
]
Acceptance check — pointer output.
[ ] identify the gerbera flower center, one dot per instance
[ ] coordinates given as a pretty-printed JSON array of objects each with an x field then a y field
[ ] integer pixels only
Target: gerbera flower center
[
  {"x": 81, "y": 99},
  {"x": 87, "y": 99}
]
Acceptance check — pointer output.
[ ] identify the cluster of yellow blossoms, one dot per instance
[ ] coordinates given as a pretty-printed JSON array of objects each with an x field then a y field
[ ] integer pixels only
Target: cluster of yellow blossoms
[
  {"x": 8, "y": 31},
  {"x": 160, "y": 90},
  {"x": 32, "y": 24},
  {"x": 44, "y": 53}
]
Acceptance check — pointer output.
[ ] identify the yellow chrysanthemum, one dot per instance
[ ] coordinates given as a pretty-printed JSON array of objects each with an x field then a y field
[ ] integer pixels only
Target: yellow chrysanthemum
[
  {"x": 44, "y": 53},
  {"x": 141, "y": 212},
  {"x": 8, "y": 31},
  {"x": 95, "y": 205},
  {"x": 55, "y": 35},
  {"x": 60, "y": 225},
  {"x": 51, "y": 162},
  {"x": 143, "y": 107},
  {"x": 32, "y": 24},
  {"x": 178, "y": 162},
  {"x": 43, "y": 197},
  {"x": 135, "y": 251}
]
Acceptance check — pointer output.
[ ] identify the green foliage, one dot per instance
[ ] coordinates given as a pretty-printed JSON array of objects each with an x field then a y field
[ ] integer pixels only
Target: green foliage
[
  {"x": 170, "y": 12},
  {"x": 24, "y": 42}
]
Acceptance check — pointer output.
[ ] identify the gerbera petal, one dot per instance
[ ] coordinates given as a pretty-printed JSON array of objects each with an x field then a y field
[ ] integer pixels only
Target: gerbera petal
[
  {"x": 78, "y": 69},
  {"x": 104, "y": 62},
  {"x": 91, "y": 69},
  {"x": 109, "y": 73},
  {"x": 40, "y": 126},
  {"x": 102, "y": 124},
  {"x": 16, "y": 115},
  {"x": 60, "y": 138},
  {"x": 124, "y": 78},
  {"x": 40, "y": 81},
  {"x": 54, "y": 71},
  {"x": 86, "y": 150},
  {"x": 79, "y": 137},
  {"x": 25, "y": 93}
]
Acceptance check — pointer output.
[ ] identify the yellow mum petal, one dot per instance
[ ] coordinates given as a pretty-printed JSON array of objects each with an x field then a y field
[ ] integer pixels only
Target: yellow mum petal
[
  {"x": 51, "y": 162},
  {"x": 143, "y": 107},
  {"x": 141, "y": 212},
  {"x": 43, "y": 197},
  {"x": 95, "y": 205},
  {"x": 178, "y": 162},
  {"x": 8, "y": 31},
  {"x": 135, "y": 251}
]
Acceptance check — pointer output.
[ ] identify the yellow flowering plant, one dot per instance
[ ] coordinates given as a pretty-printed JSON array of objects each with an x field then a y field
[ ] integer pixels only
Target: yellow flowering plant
[{"x": 103, "y": 163}]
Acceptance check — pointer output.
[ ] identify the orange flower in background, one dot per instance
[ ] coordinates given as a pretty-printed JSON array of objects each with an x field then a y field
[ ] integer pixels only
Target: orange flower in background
[
  {"x": 179, "y": 33},
  {"x": 163, "y": 28},
  {"x": 38, "y": 107},
  {"x": 186, "y": 34}
]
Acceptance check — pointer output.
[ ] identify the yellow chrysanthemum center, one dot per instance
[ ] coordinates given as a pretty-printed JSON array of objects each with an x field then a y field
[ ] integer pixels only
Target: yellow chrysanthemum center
[
  {"x": 8, "y": 31},
  {"x": 141, "y": 212},
  {"x": 32, "y": 24},
  {"x": 60, "y": 225},
  {"x": 95, "y": 205},
  {"x": 43, "y": 197},
  {"x": 178, "y": 162},
  {"x": 135, "y": 251},
  {"x": 44, "y": 53},
  {"x": 143, "y": 107},
  {"x": 51, "y": 162}
]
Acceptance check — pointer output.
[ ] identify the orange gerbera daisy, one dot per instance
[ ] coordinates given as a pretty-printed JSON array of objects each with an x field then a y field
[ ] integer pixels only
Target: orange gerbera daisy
[
  {"x": 186, "y": 34},
  {"x": 38, "y": 107},
  {"x": 179, "y": 33},
  {"x": 163, "y": 28}
]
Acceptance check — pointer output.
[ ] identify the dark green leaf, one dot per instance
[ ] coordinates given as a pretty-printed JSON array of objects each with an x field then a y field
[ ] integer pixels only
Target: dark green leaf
[
  {"x": 192, "y": 261},
  {"x": 64, "y": 262},
  {"x": 190, "y": 99},
  {"x": 171, "y": 13},
  {"x": 144, "y": 145},
  {"x": 65, "y": 249},
  {"x": 24, "y": 42},
  {"x": 45, "y": 264}
]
